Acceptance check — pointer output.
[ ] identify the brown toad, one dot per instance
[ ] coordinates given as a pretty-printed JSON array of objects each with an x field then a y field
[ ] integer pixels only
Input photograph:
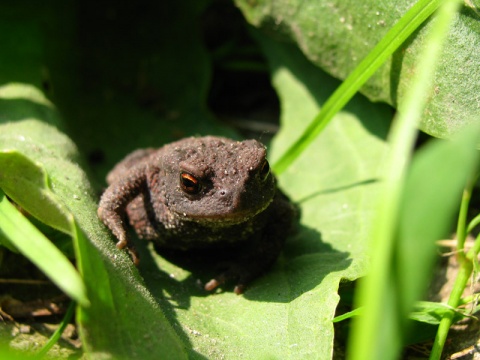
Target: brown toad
[{"x": 198, "y": 193}]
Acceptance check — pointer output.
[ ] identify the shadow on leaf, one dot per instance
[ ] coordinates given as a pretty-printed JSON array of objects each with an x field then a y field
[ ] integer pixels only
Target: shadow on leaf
[{"x": 303, "y": 265}]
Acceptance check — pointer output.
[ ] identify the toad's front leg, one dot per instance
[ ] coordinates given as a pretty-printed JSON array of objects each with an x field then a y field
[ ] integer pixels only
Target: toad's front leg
[{"x": 113, "y": 203}]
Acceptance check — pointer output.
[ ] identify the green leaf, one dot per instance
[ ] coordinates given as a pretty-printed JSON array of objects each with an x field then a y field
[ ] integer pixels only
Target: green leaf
[
  {"x": 432, "y": 312},
  {"x": 27, "y": 183},
  {"x": 337, "y": 35},
  {"x": 348, "y": 315},
  {"x": 424, "y": 311}
]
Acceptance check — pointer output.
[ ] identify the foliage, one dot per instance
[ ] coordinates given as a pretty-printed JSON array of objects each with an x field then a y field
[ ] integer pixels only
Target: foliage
[
  {"x": 337, "y": 35},
  {"x": 124, "y": 76}
]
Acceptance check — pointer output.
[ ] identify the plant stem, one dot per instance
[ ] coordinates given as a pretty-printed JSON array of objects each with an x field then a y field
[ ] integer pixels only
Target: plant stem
[
  {"x": 464, "y": 274},
  {"x": 462, "y": 221}
]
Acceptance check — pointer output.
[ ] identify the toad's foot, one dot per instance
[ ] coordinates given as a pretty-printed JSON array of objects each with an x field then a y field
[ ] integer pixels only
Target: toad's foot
[
  {"x": 242, "y": 274},
  {"x": 131, "y": 250}
]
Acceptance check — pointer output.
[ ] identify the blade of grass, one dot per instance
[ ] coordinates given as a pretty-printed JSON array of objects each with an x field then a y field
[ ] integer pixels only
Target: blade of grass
[
  {"x": 58, "y": 333},
  {"x": 473, "y": 223},
  {"x": 348, "y": 315},
  {"x": 377, "y": 290},
  {"x": 39, "y": 250},
  {"x": 382, "y": 51}
]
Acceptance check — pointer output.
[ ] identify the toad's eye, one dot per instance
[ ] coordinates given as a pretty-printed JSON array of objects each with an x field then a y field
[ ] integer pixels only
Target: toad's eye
[
  {"x": 189, "y": 183},
  {"x": 265, "y": 170}
]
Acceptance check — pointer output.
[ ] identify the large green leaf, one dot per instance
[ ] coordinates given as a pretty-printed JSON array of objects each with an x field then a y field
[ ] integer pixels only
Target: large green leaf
[{"x": 337, "y": 35}]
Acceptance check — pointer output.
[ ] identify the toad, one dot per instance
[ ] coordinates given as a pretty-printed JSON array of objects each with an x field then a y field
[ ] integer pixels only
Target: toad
[{"x": 201, "y": 193}]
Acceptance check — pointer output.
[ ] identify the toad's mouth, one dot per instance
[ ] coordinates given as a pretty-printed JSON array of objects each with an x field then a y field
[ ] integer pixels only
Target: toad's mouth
[{"x": 225, "y": 218}]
